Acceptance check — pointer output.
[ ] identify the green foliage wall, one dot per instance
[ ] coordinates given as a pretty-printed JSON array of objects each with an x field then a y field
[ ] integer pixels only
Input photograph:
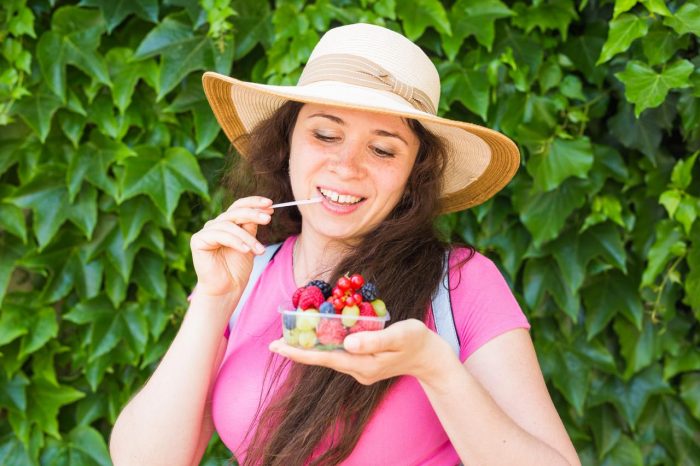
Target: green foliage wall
[{"x": 110, "y": 159}]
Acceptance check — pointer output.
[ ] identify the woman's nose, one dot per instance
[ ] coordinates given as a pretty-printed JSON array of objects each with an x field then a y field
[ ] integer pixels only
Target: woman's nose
[{"x": 347, "y": 160}]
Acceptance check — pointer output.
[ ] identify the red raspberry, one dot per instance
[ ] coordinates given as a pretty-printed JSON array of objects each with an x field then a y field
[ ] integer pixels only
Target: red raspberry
[
  {"x": 366, "y": 325},
  {"x": 330, "y": 332},
  {"x": 311, "y": 297},
  {"x": 367, "y": 310},
  {"x": 296, "y": 295}
]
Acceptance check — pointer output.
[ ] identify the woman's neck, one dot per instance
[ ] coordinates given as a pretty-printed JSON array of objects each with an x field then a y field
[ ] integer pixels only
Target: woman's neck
[{"x": 315, "y": 257}]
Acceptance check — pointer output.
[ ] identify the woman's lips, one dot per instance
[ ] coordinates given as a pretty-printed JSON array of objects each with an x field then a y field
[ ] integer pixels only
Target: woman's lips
[{"x": 337, "y": 208}]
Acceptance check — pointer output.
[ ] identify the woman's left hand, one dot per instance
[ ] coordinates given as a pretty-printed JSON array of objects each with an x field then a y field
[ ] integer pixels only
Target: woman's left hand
[{"x": 407, "y": 347}]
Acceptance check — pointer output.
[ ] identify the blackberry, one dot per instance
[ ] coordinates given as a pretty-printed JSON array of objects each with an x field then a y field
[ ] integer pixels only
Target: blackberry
[
  {"x": 290, "y": 321},
  {"x": 369, "y": 291},
  {"x": 323, "y": 286},
  {"x": 326, "y": 308}
]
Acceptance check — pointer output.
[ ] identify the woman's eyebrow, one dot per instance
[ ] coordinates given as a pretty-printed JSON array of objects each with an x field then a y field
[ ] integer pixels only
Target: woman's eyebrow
[{"x": 378, "y": 132}]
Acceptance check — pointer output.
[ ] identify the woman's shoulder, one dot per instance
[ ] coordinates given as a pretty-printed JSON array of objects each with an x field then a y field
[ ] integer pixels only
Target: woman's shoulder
[{"x": 465, "y": 259}]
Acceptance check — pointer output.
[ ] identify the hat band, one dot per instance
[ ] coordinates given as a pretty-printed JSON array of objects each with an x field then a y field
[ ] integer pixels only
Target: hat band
[{"x": 360, "y": 71}]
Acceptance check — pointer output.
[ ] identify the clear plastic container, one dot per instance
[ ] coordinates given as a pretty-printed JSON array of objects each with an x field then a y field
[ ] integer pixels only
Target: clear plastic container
[{"x": 313, "y": 330}]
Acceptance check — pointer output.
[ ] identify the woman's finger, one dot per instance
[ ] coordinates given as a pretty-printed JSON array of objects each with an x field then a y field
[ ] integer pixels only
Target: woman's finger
[
  {"x": 211, "y": 240},
  {"x": 259, "y": 202},
  {"x": 338, "y": 360},
  {"x": 242, "y": 215},
  {"x": 240, "y": 233}
]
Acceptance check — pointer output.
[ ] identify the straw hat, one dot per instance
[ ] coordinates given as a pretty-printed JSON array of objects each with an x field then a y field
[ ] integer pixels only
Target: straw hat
[{"x": 372, "y": 68}]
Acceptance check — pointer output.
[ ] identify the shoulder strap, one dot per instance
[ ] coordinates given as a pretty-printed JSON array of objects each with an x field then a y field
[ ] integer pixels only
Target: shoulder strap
[
  {"x": 442, "y": 309},
  {"x": 259, "y": 264}
]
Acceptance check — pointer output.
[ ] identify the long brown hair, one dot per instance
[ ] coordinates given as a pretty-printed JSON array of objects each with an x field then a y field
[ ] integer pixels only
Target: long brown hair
[{"x": 402, "y": 256}]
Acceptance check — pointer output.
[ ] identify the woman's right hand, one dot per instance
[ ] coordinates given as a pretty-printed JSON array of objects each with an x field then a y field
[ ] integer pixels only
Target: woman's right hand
[{"x": 223, "y": 250}]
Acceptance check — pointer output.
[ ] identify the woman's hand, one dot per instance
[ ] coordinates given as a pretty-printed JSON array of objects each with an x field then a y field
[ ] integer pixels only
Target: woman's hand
[
  {"x": 407, "y": 347},
  {"x": 223, "y": 250}
]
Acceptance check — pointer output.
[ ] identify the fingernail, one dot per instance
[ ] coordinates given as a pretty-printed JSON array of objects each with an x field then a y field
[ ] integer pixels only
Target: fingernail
[
  {"x": 259, "y": 248},
  {"x": 350, "y": 344},
  {"x": 263, "y": 216}
]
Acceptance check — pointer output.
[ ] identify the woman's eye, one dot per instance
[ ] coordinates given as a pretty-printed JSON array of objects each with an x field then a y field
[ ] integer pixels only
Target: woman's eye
[
  {"x": 383, "y": 153},
  {"x": 324, "y": 137}
]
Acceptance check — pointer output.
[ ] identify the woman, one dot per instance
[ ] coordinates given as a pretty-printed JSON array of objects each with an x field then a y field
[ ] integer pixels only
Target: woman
[{"x": 360, "y": 131}]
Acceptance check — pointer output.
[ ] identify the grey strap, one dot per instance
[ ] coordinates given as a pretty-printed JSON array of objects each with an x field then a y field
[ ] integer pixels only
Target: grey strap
[
  {"x": 442, "y": 309},
  {"x": 259, "y": 264}
]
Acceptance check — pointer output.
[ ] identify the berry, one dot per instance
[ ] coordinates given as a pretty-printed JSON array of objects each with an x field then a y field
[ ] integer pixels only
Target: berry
[
  {"x": 349, "y": 301},
  {"x": 323, "y": 286},
  {"x": 331, "y": 332},
  {"x": 369, "y": 291},
  {"x": 366, "y": 325},
  {"x": 338, "y": 293},
  {"x": 350, "y": 314},
  {"x": 326, "y": 308},
  {"x": 296, "y": 295},
  {"x": 344, "y": 283},
  {"x": 311, "y": 297},
  {"x": 338, "y": 304},
  {"x": 290, "y": 321},
  {"x": 367, "y": 310},
  {"x": 379, "y": 307},
  {"x": 307, "y": 339},
  {"x": 307, "y": 320},
  {"x": 357, "y": 297},
  {"x": 357, "y": 281}
]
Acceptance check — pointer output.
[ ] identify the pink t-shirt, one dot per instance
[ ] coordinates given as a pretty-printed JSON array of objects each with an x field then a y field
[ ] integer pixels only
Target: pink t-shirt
[{"x": 483, "y": 307}]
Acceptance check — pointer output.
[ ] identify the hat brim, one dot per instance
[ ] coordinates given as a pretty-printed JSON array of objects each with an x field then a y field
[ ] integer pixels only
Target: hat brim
[{"x": 480, "y": 161}]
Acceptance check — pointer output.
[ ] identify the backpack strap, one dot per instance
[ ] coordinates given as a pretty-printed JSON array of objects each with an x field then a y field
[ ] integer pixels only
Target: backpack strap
[
  {"x": 259, "y": 264},
  {"x": 442, "y": 309}
]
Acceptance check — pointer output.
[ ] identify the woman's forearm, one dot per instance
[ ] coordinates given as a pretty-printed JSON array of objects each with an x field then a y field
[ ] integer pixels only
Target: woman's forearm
[
  {"x": 162, "y": 423},
  {"x": 481, "y": 432}
]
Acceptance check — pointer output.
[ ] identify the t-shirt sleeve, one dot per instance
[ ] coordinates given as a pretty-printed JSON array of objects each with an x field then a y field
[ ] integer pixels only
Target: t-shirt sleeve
[{"x": 483, "y": 304}]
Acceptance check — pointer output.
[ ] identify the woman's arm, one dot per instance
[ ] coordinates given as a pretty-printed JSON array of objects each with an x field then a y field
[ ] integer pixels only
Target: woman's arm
[
  {"x": 163, "y": 423},
  {"x": 495, "y": 408},
  {"x": 497, "y": 402}
]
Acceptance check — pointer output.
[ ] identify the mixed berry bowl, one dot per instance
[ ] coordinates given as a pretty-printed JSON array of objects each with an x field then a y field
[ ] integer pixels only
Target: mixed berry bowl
[{"x": 320, "y": 317}]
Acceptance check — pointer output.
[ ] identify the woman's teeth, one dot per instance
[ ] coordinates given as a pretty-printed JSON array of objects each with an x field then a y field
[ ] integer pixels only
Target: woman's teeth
[{"x": 340, "y": 198}]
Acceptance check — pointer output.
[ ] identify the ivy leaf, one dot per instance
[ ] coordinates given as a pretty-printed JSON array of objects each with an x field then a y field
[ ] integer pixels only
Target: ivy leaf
[
  {"x": 608, "y": 295},
  {"x": 642, "y": 133},
  {"x": 690, "y": 393},
  {"x": 252, "y": 25},
  {"x": 638, "y": 348},
  {"x": 682, "y": 174},
  {"x": 657, "y": 7},
  {"x": 560, "y": 160},
  {"x": 692, "y": 279},
  {"x": 115, "y": 11},
  {"x": 685, "y": 20},
  {"x": 624, "y": 30},
  {"x": 630, "y": 397},
  {"x": 45, "y": 401},
  {"x": 73, "y": 39},
  {"x": 10, "y": 251},
  {"x": 566, "y": 370},
  {"x": 417, "y": 15},
  {"x": 546, "y": 15},
  {"x": 12, "y": 221},
  {"x": 669, "y": 242},
  {"x": 150, "y": 274},
  {"x": 469, "y": 87},
  {"x": 126, "y": 73},
  {"x": 624, "y": 453},
  {"x": 646, "y": 88},
  {"x": 606, "y": 431},
  {"x": 37, "y": 111},
  {"x": 162, "y": 177},
  {"x": 583, "y": 51},
  {"x": 544, "y": 214},
  {"x": 660, "y": 45},
  {"x": 169, "y": 33},
  {"x": 47, "y": 198},
  {"x": 540, "y": 278},
  {"x": 473, "y": 18},
  {"x": 622, "y": 6}
]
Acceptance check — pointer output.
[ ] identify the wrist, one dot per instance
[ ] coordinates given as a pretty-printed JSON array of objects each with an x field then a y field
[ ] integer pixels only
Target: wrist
[{"x": 438, "y": 362}]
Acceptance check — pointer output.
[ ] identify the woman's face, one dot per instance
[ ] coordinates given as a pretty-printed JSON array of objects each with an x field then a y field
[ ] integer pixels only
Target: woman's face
[{"x": 358, "y": 161}]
